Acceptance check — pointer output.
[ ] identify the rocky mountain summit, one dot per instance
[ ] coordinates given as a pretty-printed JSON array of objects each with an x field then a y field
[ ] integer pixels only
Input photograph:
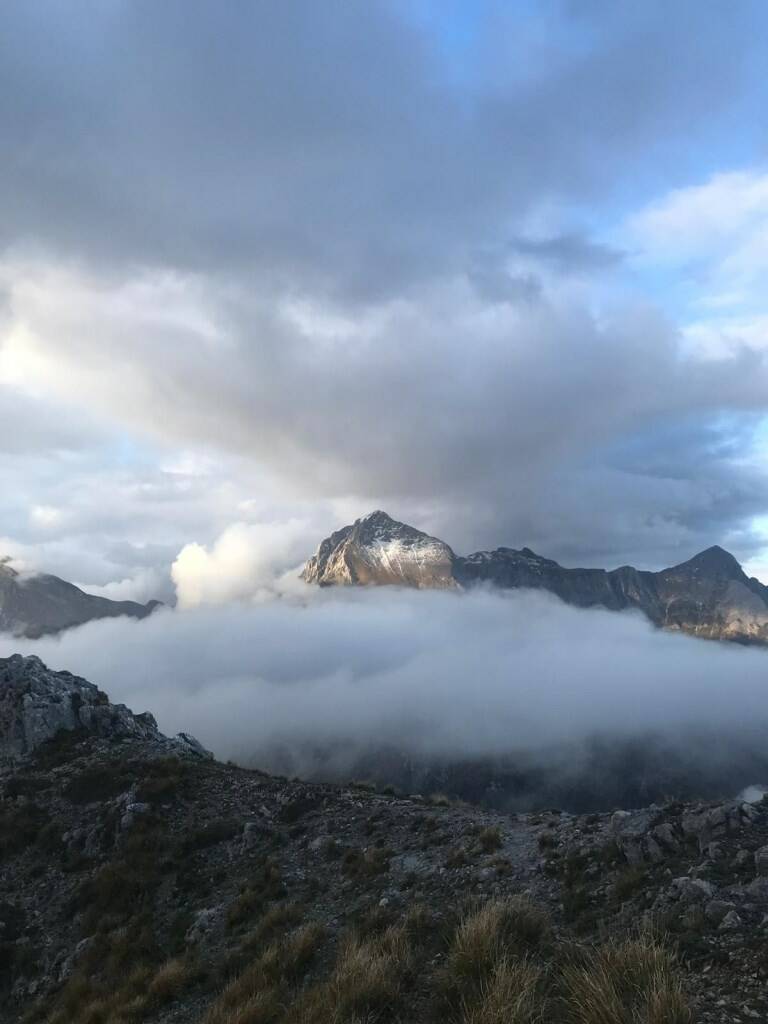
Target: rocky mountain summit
[
  {"x": 142, "y": 882},
  {"x": 710, "y": 595},
  {"x": 378, "y": 550},
  {"x": 35, "y": 605}
]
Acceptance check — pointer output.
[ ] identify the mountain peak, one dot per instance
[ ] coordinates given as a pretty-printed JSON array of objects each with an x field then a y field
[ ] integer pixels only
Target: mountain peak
[
  {"x": 378, "y": 549},
  {"x": 378, "y": 515},
  {"x": 715, "y": 561}
]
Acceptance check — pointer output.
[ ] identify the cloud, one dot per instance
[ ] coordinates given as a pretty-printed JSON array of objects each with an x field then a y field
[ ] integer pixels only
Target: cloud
[
  {"x": 569, "y": 253},
  {"x": 265, "y": 250},
  {"x": 728, "y": 211},
  {"x": 714, "y": 238},
  {"x": 398, "y": 408},
  {"x": 333, "y": 148},
  {"x": 242, "y": 563},
  {"x": 434, "y": 674},
  {"x": 147, "y": 585}
]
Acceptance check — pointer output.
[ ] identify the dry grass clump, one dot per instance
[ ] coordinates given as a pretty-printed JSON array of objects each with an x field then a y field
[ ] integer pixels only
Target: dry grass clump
[
  {"x": 163, "y": 780},
  {"x": 368, "y": 973},
  {"x": 630, "y": 982},
  {"x": 366, "y": 863},
  {"x": 511, "y": 994},
  {"x": 259, "y": 994},
  {"x": 547, "y": 841},
  {"x": 498, "y": 929},
  {"x": 263, "y": 1007},
  {"x": 170, "y": 981},
  {"x": 488, "y": 976},
  {"x": 19, "y": 827},
  {"x": 265, "y": 885},
  {"x": 365, "y": 984},
  {"x": 273, "y": 922},
  {"x": 457, "y": 857},
  {"x": 439, "y": 800},
  {"x": 131, "y": 1000},
  {"x": 489, "y": 840},
  {"x": 629, "y": 881}
]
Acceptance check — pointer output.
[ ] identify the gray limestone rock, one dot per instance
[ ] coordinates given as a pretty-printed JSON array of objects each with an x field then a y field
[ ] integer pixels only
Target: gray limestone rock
[{"x": 36, "y": 704}]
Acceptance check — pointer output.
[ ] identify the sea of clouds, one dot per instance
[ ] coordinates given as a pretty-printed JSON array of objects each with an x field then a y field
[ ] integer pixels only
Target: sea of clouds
[{"x": 434, "y": 674}]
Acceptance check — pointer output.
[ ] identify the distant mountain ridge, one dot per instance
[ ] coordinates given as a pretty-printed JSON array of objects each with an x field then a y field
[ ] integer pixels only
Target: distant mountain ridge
[
  {"x": 710, "y": 595},
  {"x": 36, "y": 605}
]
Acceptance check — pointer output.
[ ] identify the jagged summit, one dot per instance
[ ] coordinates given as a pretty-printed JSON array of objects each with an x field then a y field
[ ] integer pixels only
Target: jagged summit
[
  {"x": 709, "y": 595},
  {"x": 377, "y": 549}
]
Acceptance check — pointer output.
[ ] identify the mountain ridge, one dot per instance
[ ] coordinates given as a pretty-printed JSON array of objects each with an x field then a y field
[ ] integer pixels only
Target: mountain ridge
[
  {"x": 709, "y": 595},
  {"x": 35, "y": 605}
]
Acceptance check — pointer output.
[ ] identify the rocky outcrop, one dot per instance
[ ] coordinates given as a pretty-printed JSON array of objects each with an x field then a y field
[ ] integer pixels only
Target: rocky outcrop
[
  {"x": 34, "y": 605},
  {"x": 710, "y": 595},
  {"x": 37, "y": 704}
]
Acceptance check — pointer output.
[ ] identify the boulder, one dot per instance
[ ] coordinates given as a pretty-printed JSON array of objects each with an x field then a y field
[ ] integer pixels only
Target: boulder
[
  {"x": 691, "y": 889},
  {"x": 731, "y": 922},
  {"x": 761, "y": 860},
  {"x": 717, "y": 910}
]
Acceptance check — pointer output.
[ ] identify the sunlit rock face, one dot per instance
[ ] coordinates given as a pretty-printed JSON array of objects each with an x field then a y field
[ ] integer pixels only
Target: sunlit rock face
[
  {"x": 378, "y": 550},
  {"x": 708, "y": 596},
  {"x": 34, "y": 605}
]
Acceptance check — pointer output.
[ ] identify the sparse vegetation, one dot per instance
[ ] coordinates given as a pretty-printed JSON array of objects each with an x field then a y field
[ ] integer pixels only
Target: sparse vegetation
[
  {"x": 629, "y": 881},
  {"x": 627, "y": 982},
  {"x": 547, "y": 841},
  {"x": 457, "y": 858},
  {"x": 169, "y": 982},
  {"x": 265, "y": 885},
  {"x": 99, "y": 783},
  {"x": 494, "y": 931},
  {"x": 366, "y": 863},
  {"x": 162, "y": 780},
  {"x": 489, "y": 840},
  {"x": 209, "y": 835},
  {"x": 20, "y": 827},
  {"x": 511, "y": 994}
]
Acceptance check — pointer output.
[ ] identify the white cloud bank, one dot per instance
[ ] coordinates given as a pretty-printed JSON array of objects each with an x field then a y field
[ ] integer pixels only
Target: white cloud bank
[{"x": 435, "y": 673}]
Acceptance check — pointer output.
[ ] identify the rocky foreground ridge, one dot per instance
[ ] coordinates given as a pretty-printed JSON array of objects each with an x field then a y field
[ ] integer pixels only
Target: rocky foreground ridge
[
  {"x": 710, "y": 595},
  {"x": 144, "y": 881},
  {"x": 35, "y": 605}
]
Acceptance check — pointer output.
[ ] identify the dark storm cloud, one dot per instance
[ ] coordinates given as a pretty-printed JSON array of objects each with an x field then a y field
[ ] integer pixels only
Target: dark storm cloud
[
  {"x": 332, "y": 189},
  {"x": 325, "y": 144}
]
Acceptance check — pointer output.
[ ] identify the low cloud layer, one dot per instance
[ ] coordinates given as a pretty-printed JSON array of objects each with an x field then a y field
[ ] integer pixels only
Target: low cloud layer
[{"x": 434, "y": 674}]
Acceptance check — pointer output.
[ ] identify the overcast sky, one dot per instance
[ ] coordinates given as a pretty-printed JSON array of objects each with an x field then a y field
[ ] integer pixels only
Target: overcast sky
[{"x": 498, "y": 268}]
